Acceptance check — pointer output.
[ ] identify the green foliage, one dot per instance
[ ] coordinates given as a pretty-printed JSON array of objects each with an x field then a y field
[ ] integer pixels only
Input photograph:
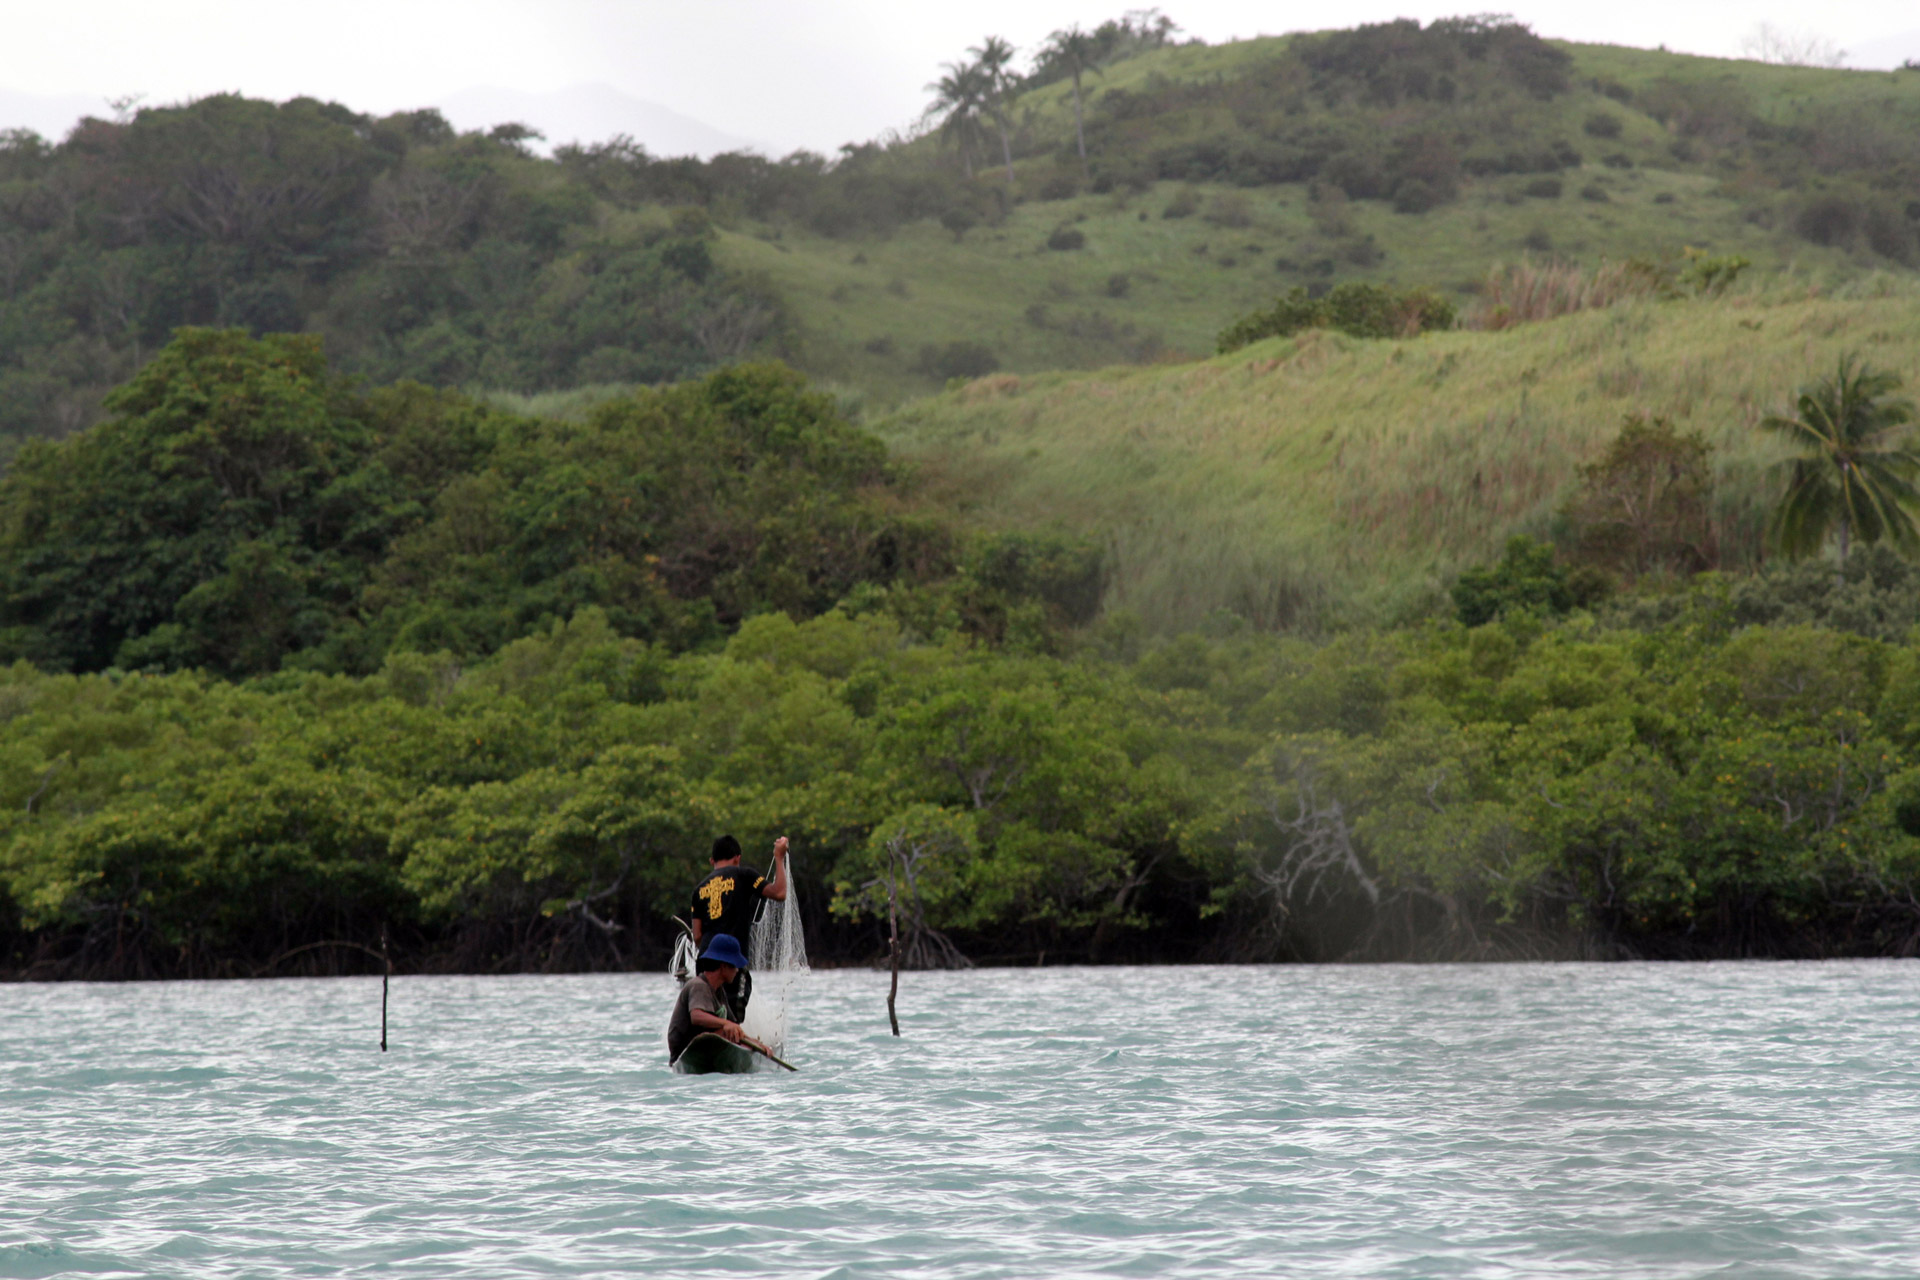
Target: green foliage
[
  {"x": 1361, "y": 310},
  {"x": 1709, "y": 274},
  {"x": 1371, "y": 110},
  {"x": 958, "y": 359},
  {"x": 244, "y": 509},
  {"x": 1069, "y": 53},
  {"x": 1326, "y": 482},
  {"x": 959, "y": 220},
  {"x": 462, "y": 259},
  {"x": 1856, "y": 470},
  {"x": 227, "y": 514},
  {"x": 507, "y": 675},
  {"x": 1692, "y": 787},
  {"x": 1645, "y": 505},
  {"x": 1526, "y": 579},
  {"x": 417, "y": 252},
  {"x": 1875, "y": 594}
]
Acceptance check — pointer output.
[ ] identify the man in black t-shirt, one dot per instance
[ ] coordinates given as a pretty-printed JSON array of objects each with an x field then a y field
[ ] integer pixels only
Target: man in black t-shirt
[{"x": 729, "y": 898}]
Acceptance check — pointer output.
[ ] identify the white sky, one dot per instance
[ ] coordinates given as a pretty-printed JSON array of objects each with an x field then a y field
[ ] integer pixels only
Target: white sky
[{"x": 789, "y": 73}]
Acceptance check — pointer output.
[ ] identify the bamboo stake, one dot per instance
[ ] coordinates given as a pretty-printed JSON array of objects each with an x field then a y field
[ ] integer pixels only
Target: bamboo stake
[
  {"x": 893, "y": 945},
  {"x": 384, "y": 979}
]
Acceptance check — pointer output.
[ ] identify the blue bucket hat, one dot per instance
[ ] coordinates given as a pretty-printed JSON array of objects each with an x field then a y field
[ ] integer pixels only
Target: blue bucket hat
[{"x": 723, "y": 948}]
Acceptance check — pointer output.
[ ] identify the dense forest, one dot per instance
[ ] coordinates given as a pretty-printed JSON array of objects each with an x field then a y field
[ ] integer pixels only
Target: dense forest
[
  {"x": 310, "y": 635},
  {"x": 1737, "y": 776},
  {"x": 297, "y": 661}
]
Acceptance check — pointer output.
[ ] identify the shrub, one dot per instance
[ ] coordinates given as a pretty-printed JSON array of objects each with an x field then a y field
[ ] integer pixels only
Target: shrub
[
  {"x": 1395, "y": 61},
  {"x": 1365, "y": 252},
  {"x": 1828, "y": 220},
  {"x": 1061, "y": 186},
  {"x": 1527, "y": 579},
  {"x": 1602, "y": 124},
  {"x": 1595, "y": 192},
  {"x": 961, "y": 359},
  {"x": 959, "y": 220},
  {"x": 1067, "y": 238},
  {"x": 1360, "y": 310},
  {"x": 1414, "y": 196},
  {"x": 1617, "y": 161},
  {"x": 1544, "y": 188},
  {"x": 1062, "y": 572},
  {"x": 1118, "y": 284},
  {"x": 1646, "y": 504},
  {"x": 1358, "y": 176},
  {"x": 1230, "y": 209},
  {"x": 1707, "y": 273},
  {"x": 1888, "y": 233}
]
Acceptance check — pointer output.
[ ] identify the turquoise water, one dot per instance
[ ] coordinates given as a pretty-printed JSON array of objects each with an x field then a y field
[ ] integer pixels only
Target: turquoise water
[{"x": 1540, "y": 1120}]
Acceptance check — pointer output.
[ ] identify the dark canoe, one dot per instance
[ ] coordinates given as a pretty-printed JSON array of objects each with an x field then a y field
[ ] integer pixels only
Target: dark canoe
[{"x": 707, "y": 1053}]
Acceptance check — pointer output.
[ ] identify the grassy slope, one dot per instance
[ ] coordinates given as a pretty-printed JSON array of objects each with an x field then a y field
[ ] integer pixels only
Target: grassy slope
[
  {"x": 1322, "y": 477},
  {"x": 864, "y": 307}
]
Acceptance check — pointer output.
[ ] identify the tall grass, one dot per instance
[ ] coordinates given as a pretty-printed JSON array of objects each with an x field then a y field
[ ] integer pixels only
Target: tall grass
[
  {"x": 1311, "y": 481},
  {"x": 1527, "y": 291}
]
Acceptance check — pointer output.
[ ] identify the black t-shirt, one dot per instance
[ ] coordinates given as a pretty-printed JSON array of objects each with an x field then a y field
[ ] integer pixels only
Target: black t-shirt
[{"x": 725, "y": 902}]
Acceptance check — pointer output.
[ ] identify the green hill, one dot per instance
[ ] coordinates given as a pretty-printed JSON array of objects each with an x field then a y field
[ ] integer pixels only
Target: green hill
[
  {"x": 897, "y": 316},
  {"x": 1220, "y": 176},
  {"x": 1321, "y": 478},
  {"x": 1216, "y": 177},
  {"x": 294, "y": 651}
]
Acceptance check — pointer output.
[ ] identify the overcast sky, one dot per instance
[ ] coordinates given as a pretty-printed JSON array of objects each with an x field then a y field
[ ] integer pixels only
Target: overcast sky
[{"x": 783, "y": 73}]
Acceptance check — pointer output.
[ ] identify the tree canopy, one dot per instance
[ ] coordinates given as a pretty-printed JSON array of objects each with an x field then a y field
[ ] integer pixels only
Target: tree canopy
[{"x": 245, "y": 507}]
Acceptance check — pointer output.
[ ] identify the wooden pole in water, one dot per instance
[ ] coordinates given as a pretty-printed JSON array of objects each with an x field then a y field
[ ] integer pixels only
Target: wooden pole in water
[
  {"x": 893, "y": 945},
  {"x": 384, "y": 979}
]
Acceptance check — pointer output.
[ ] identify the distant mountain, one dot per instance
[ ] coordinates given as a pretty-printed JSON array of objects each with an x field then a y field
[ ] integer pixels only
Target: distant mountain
[
  {"x": 49, "y": 115},
  {"x": 592, "y": 113}
]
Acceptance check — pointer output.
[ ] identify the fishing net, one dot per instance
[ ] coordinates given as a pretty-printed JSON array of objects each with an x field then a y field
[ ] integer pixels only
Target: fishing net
[{"x": 777, "y": 955}]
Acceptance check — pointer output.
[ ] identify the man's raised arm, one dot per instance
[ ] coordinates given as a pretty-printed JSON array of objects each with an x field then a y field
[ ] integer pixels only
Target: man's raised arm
[{"x": 778, "y": 889}]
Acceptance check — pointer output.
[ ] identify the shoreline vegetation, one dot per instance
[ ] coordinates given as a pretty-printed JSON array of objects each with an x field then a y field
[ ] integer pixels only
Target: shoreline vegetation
[
  {"x": 297, "y": 661},
  {"x": 1509, "y": 614}
]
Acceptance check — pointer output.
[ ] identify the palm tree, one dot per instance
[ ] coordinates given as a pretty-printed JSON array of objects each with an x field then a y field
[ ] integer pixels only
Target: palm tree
[
  {"x": 1080, "y": 51},
  {"x": 993, "y": 56},
  {"x": 959, "y": 98},
  {"x": 1856, "y": 469}
]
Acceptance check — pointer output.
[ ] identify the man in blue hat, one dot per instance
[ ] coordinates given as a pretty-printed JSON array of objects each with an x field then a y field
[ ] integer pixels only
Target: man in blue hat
[{"x": 702, "y": 1004}]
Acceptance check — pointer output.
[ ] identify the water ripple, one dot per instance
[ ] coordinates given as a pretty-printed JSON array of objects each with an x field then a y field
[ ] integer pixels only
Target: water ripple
[{"x": 1756, "y": 1120}]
